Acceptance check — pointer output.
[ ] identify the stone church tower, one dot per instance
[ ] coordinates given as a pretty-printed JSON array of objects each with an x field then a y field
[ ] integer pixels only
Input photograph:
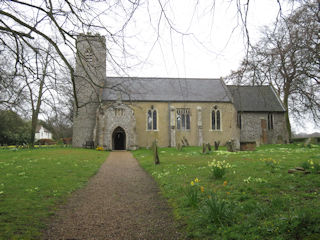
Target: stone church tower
[{"x": 90, "y": 75}]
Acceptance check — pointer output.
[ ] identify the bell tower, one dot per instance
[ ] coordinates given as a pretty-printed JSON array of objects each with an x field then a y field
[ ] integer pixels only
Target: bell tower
[{"x": 90, "y": 75}]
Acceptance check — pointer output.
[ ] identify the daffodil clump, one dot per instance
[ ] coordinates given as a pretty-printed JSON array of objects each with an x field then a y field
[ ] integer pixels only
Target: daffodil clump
[
  {"x": 99, "y": 148},
  {"x": 315, "y": 166},
  {"x": 271, "y": 163},
  {"x": 218, "y": 168},
  {"x": 192, "y": 192}
]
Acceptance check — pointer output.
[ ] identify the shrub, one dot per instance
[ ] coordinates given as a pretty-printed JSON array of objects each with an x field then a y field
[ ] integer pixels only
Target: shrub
[
  {"x": 45, "y": 141},
  {"x": 306, "y": 165},
  {"x": 218, "y": 168}
]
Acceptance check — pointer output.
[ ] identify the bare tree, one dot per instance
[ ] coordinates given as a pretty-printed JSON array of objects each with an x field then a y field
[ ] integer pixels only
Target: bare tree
[
  {"x": 11, "y": 90},
  {"x": 59, "y": 22},
  {"x": 39, "y": 76},
  {"x": 288, "y": 58}
]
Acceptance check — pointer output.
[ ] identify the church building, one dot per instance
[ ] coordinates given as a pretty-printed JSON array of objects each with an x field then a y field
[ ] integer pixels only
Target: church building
[{"x": 125, "y": 113}]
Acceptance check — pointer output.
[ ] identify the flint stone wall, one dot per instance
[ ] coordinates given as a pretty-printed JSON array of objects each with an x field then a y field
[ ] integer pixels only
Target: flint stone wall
[
  {"x": 251, "y": 128},
  {"x": 89, "y": 75},
  {"x": 111, "y": 116}
]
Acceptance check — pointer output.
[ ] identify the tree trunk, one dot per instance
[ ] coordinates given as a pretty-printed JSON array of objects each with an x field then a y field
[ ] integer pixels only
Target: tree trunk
[
  {"x": 287, "y": 119},
  {"x": 36, "y": 109}
]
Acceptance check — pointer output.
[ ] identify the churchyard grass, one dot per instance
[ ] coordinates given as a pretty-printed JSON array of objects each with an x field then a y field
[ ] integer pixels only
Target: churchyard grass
[
  {"x": 255, "y": 199},
  {"x": 33, "y": 182}
]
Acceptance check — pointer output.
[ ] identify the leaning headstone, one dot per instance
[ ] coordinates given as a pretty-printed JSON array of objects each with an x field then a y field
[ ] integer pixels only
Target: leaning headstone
[
  {"x": 209, "y": 147},
  {"x": 231, "y": 145},
  {"x": 179, "y": 147},
  {"x": 155, "y": 153},
  {"x": 298, "y": 170},
  {"x": 216, "y": 145},
  {"x": 204, "y": 148},
  {"x": 292, "y": 170},
  {"x": 182, "y": 142},
  {"x": 186, "y": 141}
]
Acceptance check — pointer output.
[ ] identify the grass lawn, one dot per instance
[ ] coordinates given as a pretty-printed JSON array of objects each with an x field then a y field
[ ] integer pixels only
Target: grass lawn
[
  {"x": 34, "y": 182},
  {"x": 256, "y": 198}
]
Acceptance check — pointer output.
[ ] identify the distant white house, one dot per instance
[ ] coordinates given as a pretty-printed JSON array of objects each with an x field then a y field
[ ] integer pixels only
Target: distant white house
[{"x": 42, "y": 133}]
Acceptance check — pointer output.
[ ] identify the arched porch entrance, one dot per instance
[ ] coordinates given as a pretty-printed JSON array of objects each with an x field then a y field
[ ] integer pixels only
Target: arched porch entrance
[{"x": 119, "y": 139}]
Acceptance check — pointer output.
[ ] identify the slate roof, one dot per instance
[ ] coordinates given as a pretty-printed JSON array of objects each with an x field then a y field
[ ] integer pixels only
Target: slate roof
[
  {"x": 166, "y": 89},
  {"x": 256, "y": 99}
]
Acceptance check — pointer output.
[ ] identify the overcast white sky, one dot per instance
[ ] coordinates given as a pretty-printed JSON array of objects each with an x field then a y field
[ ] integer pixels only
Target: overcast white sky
[{"x": 215, "y": 44}]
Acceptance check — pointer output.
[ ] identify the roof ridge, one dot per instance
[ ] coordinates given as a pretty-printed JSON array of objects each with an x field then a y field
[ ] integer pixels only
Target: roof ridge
[
  {"x": 233, "y": 85},
  {"x": 169, "y": 78}
]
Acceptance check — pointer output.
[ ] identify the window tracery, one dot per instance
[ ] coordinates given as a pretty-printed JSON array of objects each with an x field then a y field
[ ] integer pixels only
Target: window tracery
[{"x": 183, "y": 118}]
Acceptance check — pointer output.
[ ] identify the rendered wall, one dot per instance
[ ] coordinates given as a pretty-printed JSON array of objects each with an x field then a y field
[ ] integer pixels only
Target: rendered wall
[{"x": 162, "y": 134}]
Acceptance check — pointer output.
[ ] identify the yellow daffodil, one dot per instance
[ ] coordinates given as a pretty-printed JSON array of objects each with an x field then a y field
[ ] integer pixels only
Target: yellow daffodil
[
  {"x": 202, "y": 189},
  {"x": 196, "y": 180},
  {"x": 192, "y": 183}
]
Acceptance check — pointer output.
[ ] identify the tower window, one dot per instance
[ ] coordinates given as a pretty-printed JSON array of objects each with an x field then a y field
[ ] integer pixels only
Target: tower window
[{"x": 88, "y": 55}]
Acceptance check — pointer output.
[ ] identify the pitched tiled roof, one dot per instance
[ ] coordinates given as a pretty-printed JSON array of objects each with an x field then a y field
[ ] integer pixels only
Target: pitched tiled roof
[
  {"x": 39, "y": 127},
  {"x": 166, "y": 89},
  {"x": 256, "y": 99}
]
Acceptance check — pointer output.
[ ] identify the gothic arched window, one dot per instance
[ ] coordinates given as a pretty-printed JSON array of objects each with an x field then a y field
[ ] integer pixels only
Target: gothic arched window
[
  {"x": 216, "y": 119},
  {"x": 152, "y": 119}
]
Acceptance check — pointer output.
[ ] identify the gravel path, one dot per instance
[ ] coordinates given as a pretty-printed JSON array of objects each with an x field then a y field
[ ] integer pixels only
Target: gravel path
[{"x": 121, "y": 202}]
